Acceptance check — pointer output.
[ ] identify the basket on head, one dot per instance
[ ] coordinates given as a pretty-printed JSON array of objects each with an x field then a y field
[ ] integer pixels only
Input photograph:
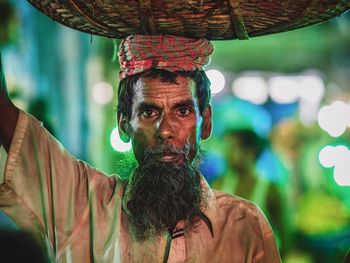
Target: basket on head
[{"x": 211, "y": 19}]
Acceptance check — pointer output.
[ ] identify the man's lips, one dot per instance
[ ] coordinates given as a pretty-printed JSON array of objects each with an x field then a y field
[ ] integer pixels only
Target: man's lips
[{"x": 168, "y": 157}]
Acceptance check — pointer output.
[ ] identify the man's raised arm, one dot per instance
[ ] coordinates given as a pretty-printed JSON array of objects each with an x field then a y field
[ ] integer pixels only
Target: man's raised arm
[{"x": 8, "y": 113}]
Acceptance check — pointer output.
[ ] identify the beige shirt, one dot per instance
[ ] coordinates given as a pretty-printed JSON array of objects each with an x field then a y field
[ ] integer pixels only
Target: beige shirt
[{"x": 77, "y": 211}]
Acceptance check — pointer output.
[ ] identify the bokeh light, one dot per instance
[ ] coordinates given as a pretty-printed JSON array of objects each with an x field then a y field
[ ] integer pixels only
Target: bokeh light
[
  {"x": 308, "y": 112},
  {"x": 331, "y": 156},
  {"x": 342, "y": 174},
  {"x": 217, "y": 80},
  {"x": 311, "y": 88},
  {"x": 339, "y": 157},
  {"x": 117, "y": 143},
  {"x": 334, "y": 118},
  {"x": 326, "y": 156},
  {"x": 284, "y": 89},
  {"x": 102, "y": 93},
  {"x": 251, "y": 88}
]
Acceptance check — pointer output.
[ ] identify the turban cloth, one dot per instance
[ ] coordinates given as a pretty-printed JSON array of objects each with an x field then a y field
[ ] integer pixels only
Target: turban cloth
[{"x": 138, "y": 53}]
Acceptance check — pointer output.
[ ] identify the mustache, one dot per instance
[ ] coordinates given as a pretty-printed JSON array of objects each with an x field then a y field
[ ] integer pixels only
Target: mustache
[{"x": 151, "y": 151}]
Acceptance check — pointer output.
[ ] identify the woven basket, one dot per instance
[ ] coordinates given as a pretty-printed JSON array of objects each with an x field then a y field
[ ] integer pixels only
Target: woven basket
[{"x": 220, "y": 19}]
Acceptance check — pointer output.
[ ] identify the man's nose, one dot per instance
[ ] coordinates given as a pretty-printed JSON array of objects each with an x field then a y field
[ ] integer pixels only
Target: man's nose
[{"x": 165, "y": 129}]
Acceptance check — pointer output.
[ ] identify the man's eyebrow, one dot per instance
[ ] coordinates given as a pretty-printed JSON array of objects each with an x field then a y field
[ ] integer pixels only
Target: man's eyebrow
[
  {"x": 147, "y": 105},
  {"x": 187, "y": 102}
]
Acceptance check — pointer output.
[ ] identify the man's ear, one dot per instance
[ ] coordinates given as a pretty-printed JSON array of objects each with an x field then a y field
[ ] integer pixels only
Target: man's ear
[
  {"x": 206, "y": 124},
  {"x": 123, "y": 127}
]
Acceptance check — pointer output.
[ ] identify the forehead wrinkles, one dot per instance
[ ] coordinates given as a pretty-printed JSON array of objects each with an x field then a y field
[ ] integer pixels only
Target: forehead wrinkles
[{"x": 155, "y": 88}]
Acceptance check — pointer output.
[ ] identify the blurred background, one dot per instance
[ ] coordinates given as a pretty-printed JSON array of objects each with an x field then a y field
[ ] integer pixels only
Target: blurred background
[{"x": 281, "y": 118}]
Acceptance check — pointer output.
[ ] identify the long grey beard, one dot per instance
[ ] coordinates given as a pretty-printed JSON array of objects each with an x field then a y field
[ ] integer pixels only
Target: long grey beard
[{"x": 162, "y": 194}]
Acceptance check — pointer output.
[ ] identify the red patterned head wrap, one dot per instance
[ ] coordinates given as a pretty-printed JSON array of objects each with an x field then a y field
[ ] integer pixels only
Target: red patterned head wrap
[{"x": 138, "y": 53}]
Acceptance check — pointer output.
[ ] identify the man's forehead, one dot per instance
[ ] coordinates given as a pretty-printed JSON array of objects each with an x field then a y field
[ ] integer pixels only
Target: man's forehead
[{"x": 157, "y": 88}]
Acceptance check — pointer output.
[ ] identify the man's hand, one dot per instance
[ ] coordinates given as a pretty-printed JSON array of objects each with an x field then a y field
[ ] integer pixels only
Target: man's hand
[{"x": 8, "y": 113}]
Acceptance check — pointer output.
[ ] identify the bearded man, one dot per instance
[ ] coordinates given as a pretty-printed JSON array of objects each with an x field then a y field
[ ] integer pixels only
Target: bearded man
[{"x": 166, "y": 211}]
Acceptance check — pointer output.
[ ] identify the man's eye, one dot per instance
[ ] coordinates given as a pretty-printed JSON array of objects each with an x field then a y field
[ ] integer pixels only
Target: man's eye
[
  {"x": 148, "y": 114},
  {"x": 184, "y": 112}
]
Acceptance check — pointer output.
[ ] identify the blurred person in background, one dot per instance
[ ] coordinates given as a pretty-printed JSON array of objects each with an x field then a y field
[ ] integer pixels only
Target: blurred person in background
[
  {"x": 242, "y": 149},
  {"x": 253, "y": 171}
]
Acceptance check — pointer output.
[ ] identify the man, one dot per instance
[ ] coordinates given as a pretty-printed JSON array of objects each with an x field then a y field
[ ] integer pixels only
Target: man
[
  {"x": 242, "y": 149},
  {"x": 165, "y": 212}
]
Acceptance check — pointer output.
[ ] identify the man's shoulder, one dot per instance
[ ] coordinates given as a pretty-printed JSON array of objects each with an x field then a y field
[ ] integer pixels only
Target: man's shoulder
[
  {"x": 232, "y": 205},
  {"x": 104, "y": 187},
  {"x": 98, "y": 175},
  {"x": 226, "y": 199},
  {"x": 92, "y": 173}
]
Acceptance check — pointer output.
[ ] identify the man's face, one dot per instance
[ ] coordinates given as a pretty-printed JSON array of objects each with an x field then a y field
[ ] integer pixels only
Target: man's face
[
  {"x": 166, "y": 114},
  {"x": 165, "y": 128}
]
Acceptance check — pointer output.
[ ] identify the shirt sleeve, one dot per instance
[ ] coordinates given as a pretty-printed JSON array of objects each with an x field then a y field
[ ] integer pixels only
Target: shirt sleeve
[
  {"x": 44, "y": 190},
  {"x": 269, "y": 252}
]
